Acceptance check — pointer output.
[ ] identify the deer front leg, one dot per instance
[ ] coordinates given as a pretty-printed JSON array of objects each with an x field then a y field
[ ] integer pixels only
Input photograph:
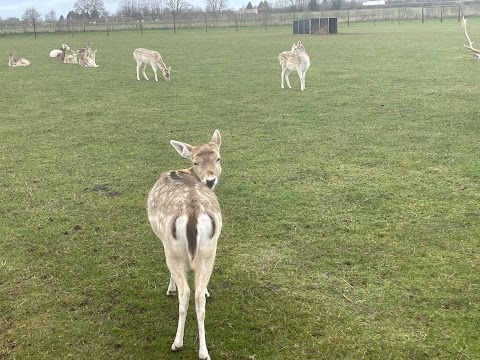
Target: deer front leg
[
  {"x": 283, "y": 75},
  {"x": 154, "y": 67},
  {"x": 138, "y": 70},
  {"x": 302, "y": 80}
]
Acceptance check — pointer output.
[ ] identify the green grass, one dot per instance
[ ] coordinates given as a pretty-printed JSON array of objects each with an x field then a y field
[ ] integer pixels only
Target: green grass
[{"x": 351, "y": 210}]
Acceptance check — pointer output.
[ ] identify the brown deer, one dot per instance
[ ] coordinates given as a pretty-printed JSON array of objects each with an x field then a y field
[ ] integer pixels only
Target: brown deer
[
  {"x": 184, "y": 213},
  {"x": 144, "y": 57}
]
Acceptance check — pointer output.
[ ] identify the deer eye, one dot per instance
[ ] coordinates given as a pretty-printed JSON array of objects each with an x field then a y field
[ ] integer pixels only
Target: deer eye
[
  {"x": 195, "y": 164},
  {"x": 218, "y": 160}
]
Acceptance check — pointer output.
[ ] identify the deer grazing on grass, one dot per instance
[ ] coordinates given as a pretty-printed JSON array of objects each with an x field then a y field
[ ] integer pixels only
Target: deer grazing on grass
[
  {"x": 14, "y": 62},
  {"x": 144, "y": 57},
  {"x": 470, "y": 42},
  {"x": 71, "y": 59},
  {"x": 185, "y": 214},
  {"x": 55, "y": 52},
  {"x": 294, "y": 60}
]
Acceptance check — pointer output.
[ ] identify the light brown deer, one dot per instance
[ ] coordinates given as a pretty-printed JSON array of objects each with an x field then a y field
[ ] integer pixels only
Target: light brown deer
[
  {"x": 72, "y": 58},
  {"x": 14, "y": 62},
  {"x": 294, "y": 60},
  {"x": 144, "y": 57},
  {"x": 87, "y": 59},
  {"x": 185, "y": 214}
]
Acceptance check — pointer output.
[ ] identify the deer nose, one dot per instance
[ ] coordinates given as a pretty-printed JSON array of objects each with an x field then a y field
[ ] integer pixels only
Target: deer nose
[{"x": 211, "y": 183}]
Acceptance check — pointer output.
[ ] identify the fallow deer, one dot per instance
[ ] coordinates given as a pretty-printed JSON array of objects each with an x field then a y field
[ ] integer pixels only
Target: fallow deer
[
  {"x": 144, "y": 57},
  {"x": 14, "y": 62},
  {"x": 294, "y": 60},
  {"x": 184, "y": 213},
  {"x": 55, "y": 52},
  {"x": 87, "y": 59},
  {"x": 61, "y": 55},
  {"x": 71, "y": 59}
]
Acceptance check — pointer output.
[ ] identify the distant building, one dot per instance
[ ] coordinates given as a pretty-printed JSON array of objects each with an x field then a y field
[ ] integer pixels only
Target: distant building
[
  {"x": 373, "y": 2},
  {"x": 247, "y": 11}
]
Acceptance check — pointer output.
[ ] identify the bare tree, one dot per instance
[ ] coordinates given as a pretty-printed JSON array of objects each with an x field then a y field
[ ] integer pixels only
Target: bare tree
[
  {"x": 156, "y": 7},
  {"x": 31, "y": 15},
  {"x": 216, "y": 6},
  {"x": 177, "y": 6},
  {"x": 127, "y": 8},
  {"x": 89, "y": 7},
  {"x": 50, "y": 16}
]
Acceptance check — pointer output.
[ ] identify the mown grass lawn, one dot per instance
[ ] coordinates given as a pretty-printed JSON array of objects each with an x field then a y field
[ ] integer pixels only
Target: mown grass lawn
[{"x": 351, "y": 210}]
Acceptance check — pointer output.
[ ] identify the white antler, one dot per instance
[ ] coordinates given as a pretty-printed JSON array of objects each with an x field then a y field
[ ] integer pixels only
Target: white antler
[{"x": 470, "y": 43}]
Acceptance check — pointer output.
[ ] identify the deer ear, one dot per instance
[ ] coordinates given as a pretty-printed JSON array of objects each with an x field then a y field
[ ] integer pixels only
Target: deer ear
[
  {"x": 216, "y": 138},
  {"x": 185, "y": 150}
]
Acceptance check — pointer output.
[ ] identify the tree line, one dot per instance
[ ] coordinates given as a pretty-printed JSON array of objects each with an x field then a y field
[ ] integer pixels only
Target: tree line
[{"x": 153, "y": 9}]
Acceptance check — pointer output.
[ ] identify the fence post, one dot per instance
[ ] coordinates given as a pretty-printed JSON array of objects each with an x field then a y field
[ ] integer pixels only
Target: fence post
[
  {"x": 206, "y": 26},
  {"x": 423, "y": 16},
  {"x": 34, "y": 28},
  {"x": 174, "y": 25}
]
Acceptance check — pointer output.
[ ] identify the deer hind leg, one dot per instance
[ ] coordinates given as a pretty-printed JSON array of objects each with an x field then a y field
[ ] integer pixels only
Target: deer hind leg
[
  {"x": 287, "y": 72},
  {"x": 202, "y": 277},
  {"x": 172, "y": 288},
  {"x": 179, "y": 275},
  {"x": 283, "y": 75},
  {"x": 143, "y": 71}
]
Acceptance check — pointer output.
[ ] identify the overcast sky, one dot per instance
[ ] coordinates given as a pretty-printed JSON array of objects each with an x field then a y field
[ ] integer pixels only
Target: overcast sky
[{"x": 9, "y": 8}]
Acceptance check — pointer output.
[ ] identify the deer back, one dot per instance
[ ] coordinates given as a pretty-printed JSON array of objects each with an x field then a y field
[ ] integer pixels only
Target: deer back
[{"x": 182, "y": 204}]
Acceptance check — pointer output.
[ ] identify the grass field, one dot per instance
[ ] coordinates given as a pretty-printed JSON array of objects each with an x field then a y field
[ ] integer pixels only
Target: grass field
[{"x": 351, "y": 210}]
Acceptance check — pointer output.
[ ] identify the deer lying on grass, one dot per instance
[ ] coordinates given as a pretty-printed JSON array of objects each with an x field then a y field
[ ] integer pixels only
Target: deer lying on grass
[
  {"x": 14, "y": 62},
  {"x": 470, "y": 42},
  {"x": 87, "y": 59},
  {"x": 294, "y": 60},
  {"x": 71, "y": 59},
  {"x": 144, "y": 57},
  {"x": 62, "y": 54},
  {"x": 185, "y": 214},
  {"x": 55, "y": 52},
  {"x": 86, "y": 50}
]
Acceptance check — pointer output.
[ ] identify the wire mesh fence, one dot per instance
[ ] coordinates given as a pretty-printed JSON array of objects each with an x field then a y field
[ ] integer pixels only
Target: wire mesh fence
[{"x": 199, "y": 20}]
